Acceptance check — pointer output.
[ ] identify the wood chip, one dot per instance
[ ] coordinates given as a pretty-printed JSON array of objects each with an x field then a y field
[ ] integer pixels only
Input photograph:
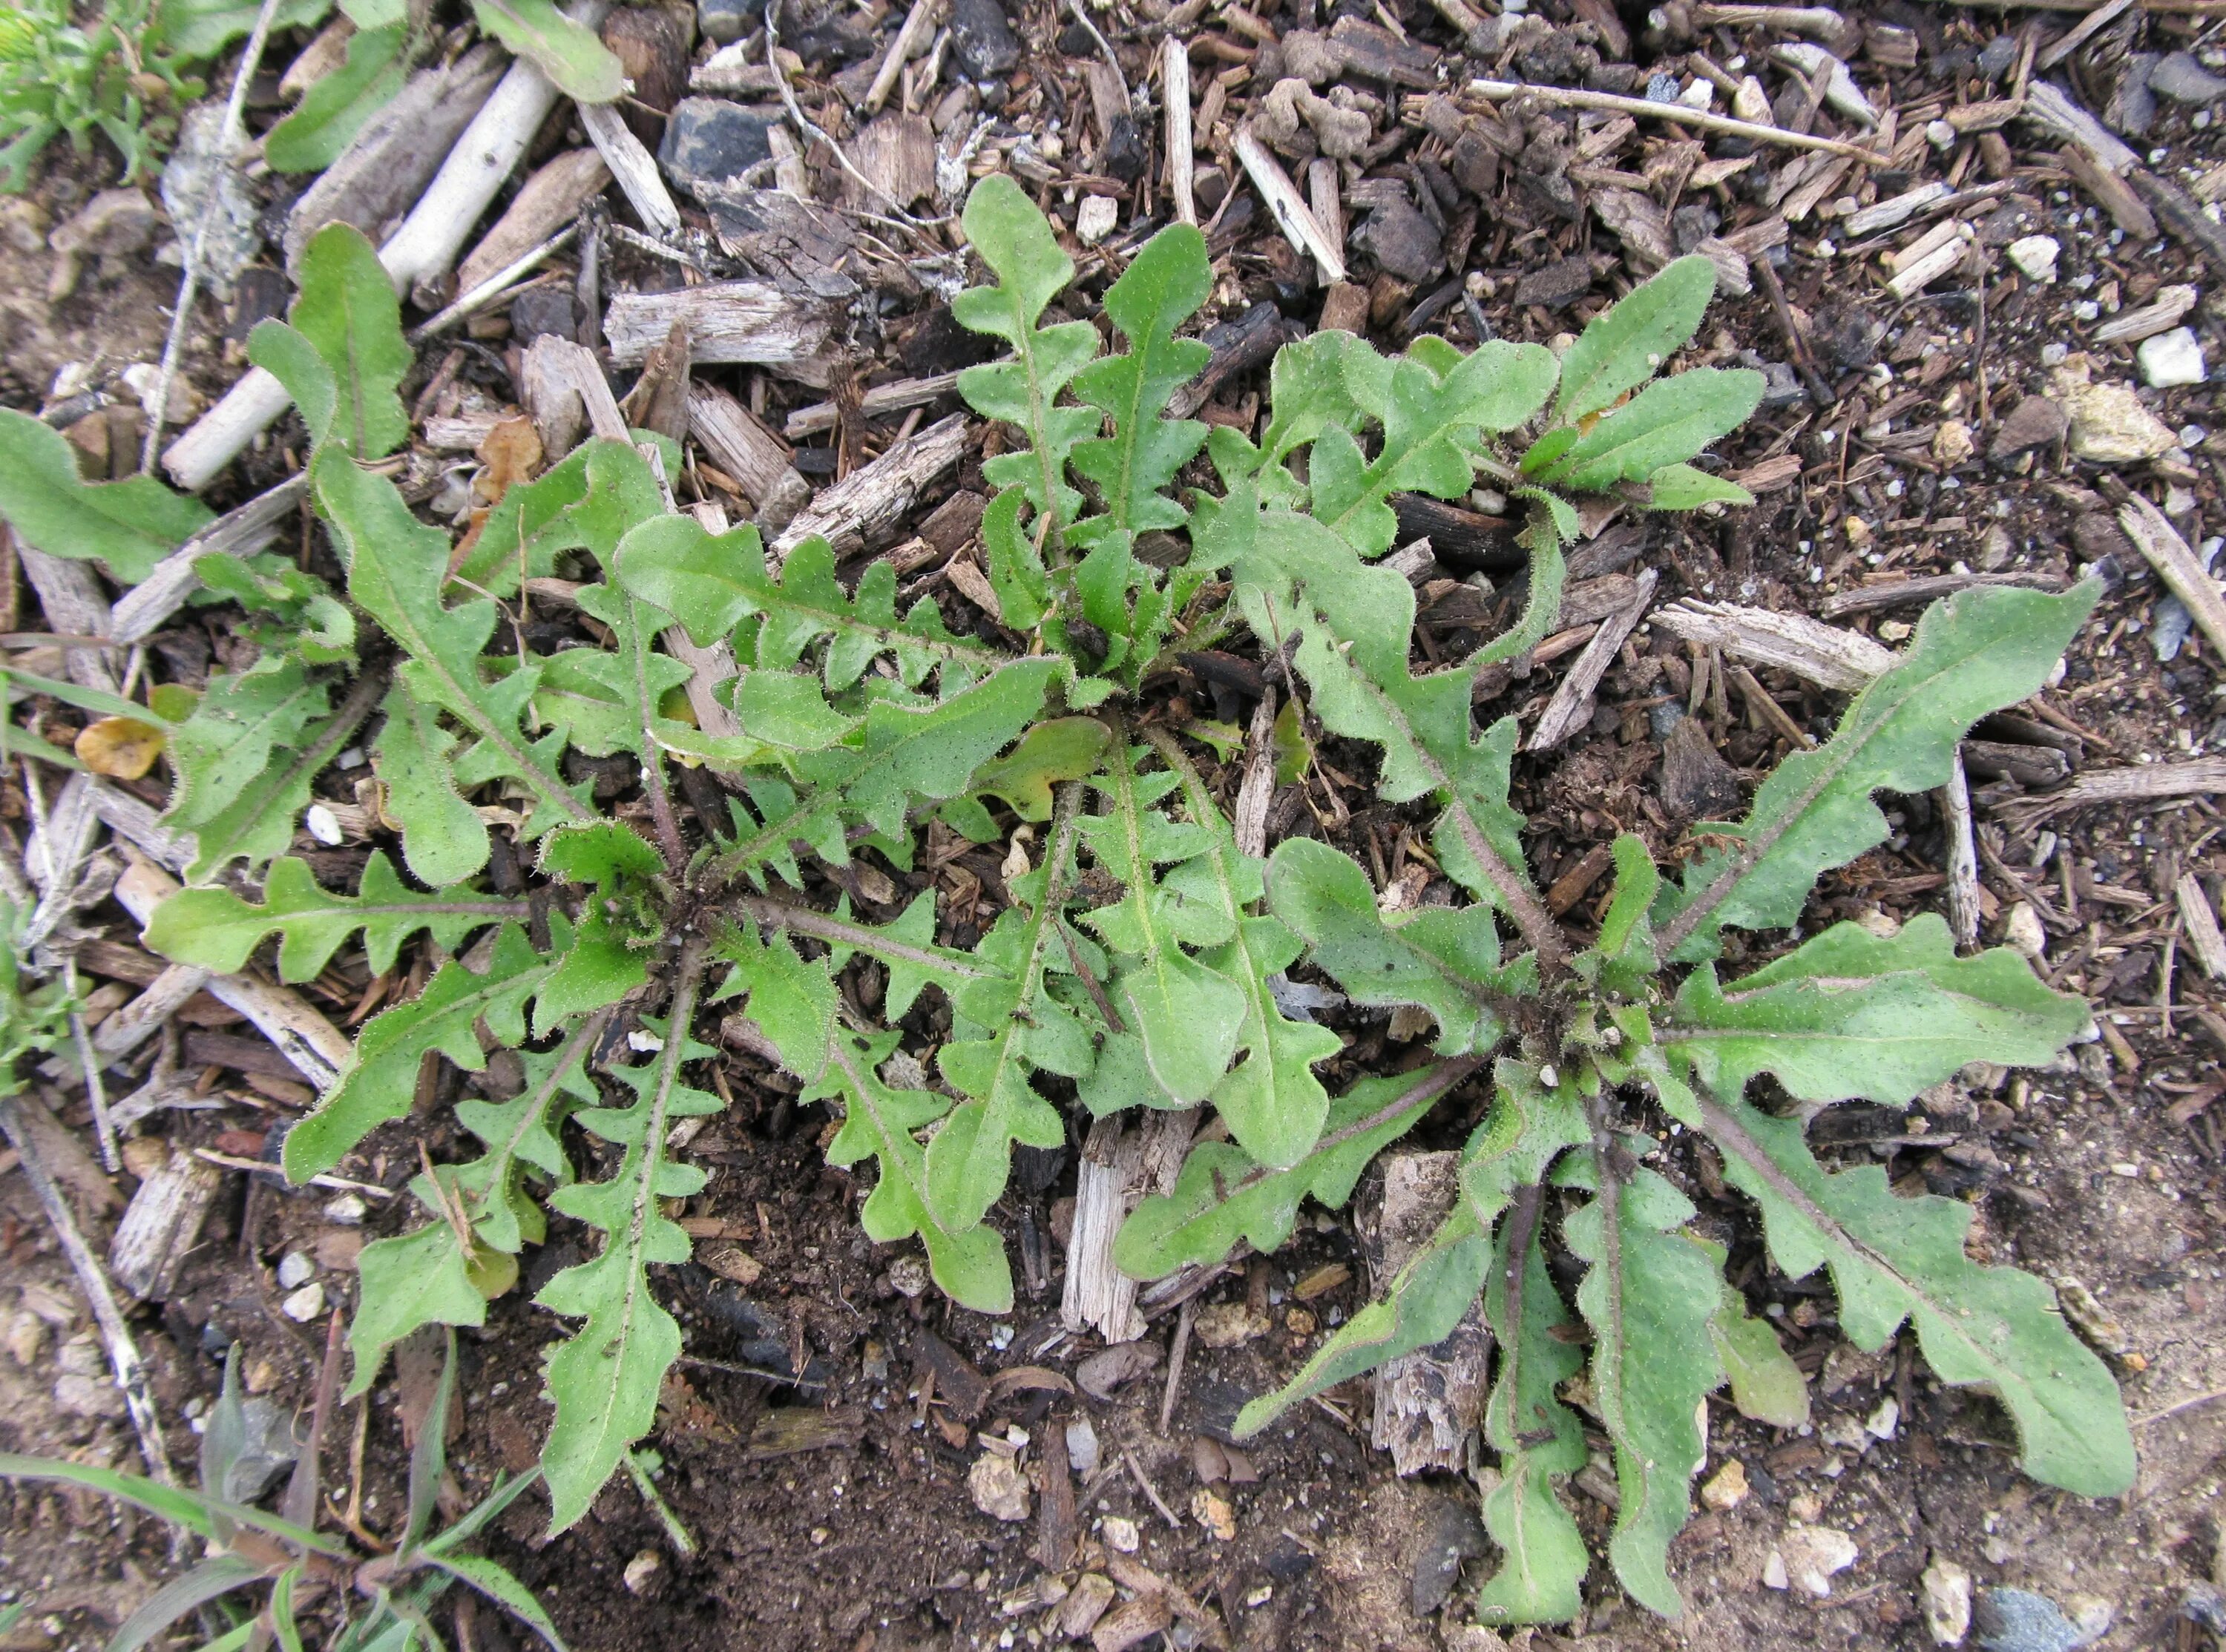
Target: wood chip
[
  {"x": 728, "y": 321},
  {"x": 872, "y": 501},
  {"x": 2199, "y": 923},
  {"x": 2155, "y": 537},
  {"x": 1428, "y": 1402},
  {"x": 1817, "y": 652},
  {"x": 162, "y": 1225},
  {"x": 547, "y": 201}
]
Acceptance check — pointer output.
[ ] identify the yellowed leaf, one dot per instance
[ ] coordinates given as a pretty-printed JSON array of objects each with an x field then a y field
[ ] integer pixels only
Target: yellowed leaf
[{"x": 124, "y": 748}]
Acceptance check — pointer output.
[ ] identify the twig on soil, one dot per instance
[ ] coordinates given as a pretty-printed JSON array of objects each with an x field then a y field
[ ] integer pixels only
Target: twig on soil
[
  {"x": 495, "y": 285},
  {"x": 1151, "y": 1492},
  {"x": 1105, "y": 49},
  {"x": 1289, "y": 207},
  {"x": 1177, "y": 1352},
  {"x": 2149, "y": 782},
  {"x": 1174, "y": 93},
  {"x": 1963, "y": 855},
  {"x": 675, "y": 1532},
  {"x": 2155, "y": 537},
  {"x": 2174, "y": 1410},
  {"x": 1613, "y": 103},
  {"x": 189, "y": 284},
  {"x": 92, "y": 1279},
  {"x": 96, "y": 1092}
]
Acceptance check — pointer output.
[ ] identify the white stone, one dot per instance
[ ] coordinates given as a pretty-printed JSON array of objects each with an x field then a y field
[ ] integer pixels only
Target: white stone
[
  {"x": 1121, "y": 1534},
  {"x": 1941, "y": 135},
  {"x": 295, "y": 1268},
  {"x": 1813, "y": 1555},
  {"x": 999, "y": 1487},
  {"x": 1773, "y": 1572},
  {"x": 347, "y": 1211},
  {"x": 2035, "y": 257},
  {"x": 1947, "y": 1602},
  {"x": 1096, "y": 219},
  {"x": 1082, "y": 1453},
  {"x": 1700, "y": 95},
  {"x": 2024, "y": 932},
  {"x": 1882, "y": 1423},
  {"x": 305, "y": 1304},
  {"x": 323, "y": 825},
  {"x": 2171, "y": 358}
]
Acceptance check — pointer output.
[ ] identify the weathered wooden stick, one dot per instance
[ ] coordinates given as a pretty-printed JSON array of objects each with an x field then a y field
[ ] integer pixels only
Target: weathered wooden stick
[
  {"x": 1699, "y": 120},
  {"x": 1811, "y": 649},
  {"x": 1174, "y": 92},
  {"x": 633, "y": 167},
  {"x": 727, "y": 322},
  {"x": 1963, "y": 855},
  {"x": 2155, "y": 537},
  {"x": 881, "y": 398},
  {"x": 919, "y": 25},
  {"x": 149, "y": 605},
  {"x": 544, "y": 204},
  {"x": 1292, "y": 214},
  {"x": 750, "y": 454},
  {"x": 874, "y": 498}
]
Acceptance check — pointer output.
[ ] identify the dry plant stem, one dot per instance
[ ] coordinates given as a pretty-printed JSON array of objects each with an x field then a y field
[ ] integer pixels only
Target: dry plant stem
[
  {"x": 1105, "y": 48},
  {"x": 2161, "y": 543},
  {"x": 809, "y": 127},
  {"x": 1174, "y": 92},
  {"x": 1963, "y": 855},
  {"x": 189, "y": 284},
  {"x": 1572, "y": 97},
  {"x": 632, "y": 165},
  {"x": 495, "y": 286},
  {"x": 1289, "y": 207},
  {"x": 1177, "y": 1353},
  {"x": 123, "y": 1353},
  {"x": 919, "y": 25},
  {"x": 96, "y": 1092},
  {"x": 301, "y": 1505},
  {"x": 669, "y": 840}
]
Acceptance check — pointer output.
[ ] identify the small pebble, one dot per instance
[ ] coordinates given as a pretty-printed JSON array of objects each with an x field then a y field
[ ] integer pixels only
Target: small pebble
[
  {"x": 1727, "y": 1488},
  {"x": 305, "y": 1304},
  {"x": 1121, "y": 1534},
  {"x": 2052, "y": 355},
  {"x": 1947, "y": 1602},
  {"x": 295, "y": 1268},
  {"x": 323, "y": 825},
  {"x": 2024, "y": 931},
  {"x": 999, "y": 1487},
  {"x": 1813, "y": 1555},
  {"x": 347, "y": 1211},
  {"x": 2171, "y": 358},
  {"x": 1213, "y": 1511},
  {"x": 1095, "y": 218},
  {"x": 1082, "y": 1453},
  {"x": 2035, "y": 257},
  {"x": 640, "y": 1574},
  {"x": 1940, "y": 135}
]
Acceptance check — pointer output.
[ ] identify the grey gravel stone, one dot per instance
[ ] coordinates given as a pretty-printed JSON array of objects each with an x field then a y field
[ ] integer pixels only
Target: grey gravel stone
[
  {"x": 983, "y": 39},
  {"x": 2178, "y": 76},
  {"x": 710, "y": 140},
  {"x": 724, "y": 20}
]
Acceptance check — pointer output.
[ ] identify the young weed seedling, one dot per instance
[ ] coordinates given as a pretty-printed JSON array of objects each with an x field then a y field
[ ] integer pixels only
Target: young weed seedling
[{"x": 1140, "y": 955}]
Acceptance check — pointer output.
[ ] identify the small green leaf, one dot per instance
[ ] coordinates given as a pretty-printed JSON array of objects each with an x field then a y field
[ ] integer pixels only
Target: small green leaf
[
  {"x": 1766, "y": 1385},
  {"x": 348, "y": 311},
  {"x": 1649, "y": 1295},
  {"x": 128, "y": 526},
  {"x": 443, "y": 838},
  {"x": 1664, "y": 424},
  {"x": 1627, "y": 344},
  {"x": 1013, "y": 239},
  {"x": 578, "y": 64},
  {"x": 194, "y": 29},
  {"x": 1016, "y": 564},
  {"x": 1681, "y": 487},
  {"x": 334, "y": 109},
  {"x": 1063, "y": 748}
]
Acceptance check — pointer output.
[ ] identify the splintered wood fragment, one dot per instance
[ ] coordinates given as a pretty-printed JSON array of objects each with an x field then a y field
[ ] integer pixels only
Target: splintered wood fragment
[
  {"x": 737, "y": 68},
  {"x": 1428, "y": 1402},
  {"x": 728, "y": 320},
  {"x": 2056, "y": 109},
  {"x": 2198, "y": 776},
  {"x": 1699, "y": 120},
  {"x": 162, "y": 1224},
  {"x": 2200, "y": 924},
  {"x": 148, "y": 606},
  {"x": 2155, "y": 537},
  {"x": 2117, "y": 197},
  {"x": 1864, "y": 599},
  {"x": 547, "y": 201},
  {"x": 564, "y": 391},
  {"x": 2080, "y": 33},
  {"x": 1292, "y": 214},
  {"x": 872, "y": 501},
  {"x": 918, "y": 27},
  {"x": 1174, "y": 75},
  {"x": 1963, "y": 855},
  {"x": 1249, "y": 818},
  {"x": 1322, "y": 199},
  {"x": 1098, "y": 1296},
  {"x": 633, "y": 169},
  {"x": 1812, "y": 651},
  {"x": 1572, "y": 704},
  {"x": 1820, "y": 21},
  {"x": 144, "y": 1016},
  {"x": 880, "y": 399},
  {"x": 749, "y": 453}
]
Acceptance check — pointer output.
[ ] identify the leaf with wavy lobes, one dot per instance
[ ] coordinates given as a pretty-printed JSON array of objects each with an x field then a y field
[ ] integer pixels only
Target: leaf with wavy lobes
[
  {"x": 1162, "y": 288},
  {"x": 308, "y": 621},
  {"x": 794, "y": 1003},
  {"x": 969, "y": 1162},
  {"x": 1627, "y": 343},
  {"x": 1014, "y": 239},
  {"x": 381, "y": 1075},
  {"x": 443, "y": 839},
  {"x": 1851, "y": 1014},
  {"x": 1061, "y": 748},
  {"x": 1017, "y": 574},
  {"x": 604, "y": 1380},
  {"x": 1187, "y": 1014},
  {"x": 1539, "y": 1439},
  {"x": 396, "y": 567},
  {"x": 1974, "y": 653},
  {"x": 1894, "y": 1259},
  {"x": 1438, "y": 406},
  {"x": 216, "y": 929},
  {"x": 1649, "y": 1294},
  {"x": 1443, "y": 959},
  {"x": 1223, "y": 1195},
  {"x": 1683, "y": 487},
  {"x": 1765, "y": 1384},
  {"x": 129, "y": 526},
  {"x": 1326, "y": 381},
  {"x": 1272, "y": 1102},
  {"x": 417, "y": 1278}
]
